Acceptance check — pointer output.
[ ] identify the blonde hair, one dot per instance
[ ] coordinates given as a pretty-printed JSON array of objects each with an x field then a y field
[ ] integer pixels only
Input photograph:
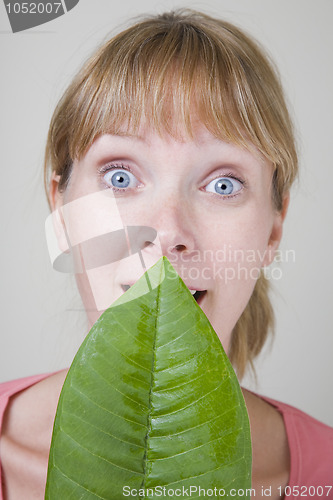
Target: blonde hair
[{"x": 169, "y": 70}]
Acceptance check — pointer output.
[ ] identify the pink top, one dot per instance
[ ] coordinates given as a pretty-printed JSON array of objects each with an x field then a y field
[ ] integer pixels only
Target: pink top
[{"x": 310, "y": 444}]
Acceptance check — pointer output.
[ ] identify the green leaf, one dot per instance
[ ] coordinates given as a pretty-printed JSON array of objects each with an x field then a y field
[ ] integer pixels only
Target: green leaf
[{"x": 151, "y": 400}]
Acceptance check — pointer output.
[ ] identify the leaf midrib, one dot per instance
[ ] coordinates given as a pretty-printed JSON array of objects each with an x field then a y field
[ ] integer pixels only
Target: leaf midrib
[{"x": 157, "y": 311}]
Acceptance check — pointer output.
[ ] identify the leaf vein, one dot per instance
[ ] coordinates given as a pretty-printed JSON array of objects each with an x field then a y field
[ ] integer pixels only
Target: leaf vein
[
  {"x": 196, "y": 426},
  {"x": 87, "y": 422},
  {"x": 117, "y": 390},
  {"x": 77, "y": 484},
  {"x": 99, "y": 456},
  {"x": 105, "y": 409},
  {"x": 174, "y": 367},
  {"x": 191, "y": 404},
  {"x": 198, "y": 447}
]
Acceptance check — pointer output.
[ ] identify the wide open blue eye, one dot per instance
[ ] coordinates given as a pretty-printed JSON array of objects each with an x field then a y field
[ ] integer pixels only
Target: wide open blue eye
[
  {"x": 224, "y": 186},
  {"x": 120, "y": 179}
]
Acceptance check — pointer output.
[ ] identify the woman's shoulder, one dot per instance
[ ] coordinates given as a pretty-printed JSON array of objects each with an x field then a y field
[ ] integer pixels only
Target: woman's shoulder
[
  {"x": 28, "y": 403},
  {"x": 22, "y": 392},
  {"x": 11, "y": 387},
  {"x": 310, "y": 444},
  {"x": 306, "y": 424},
  {"x": 28, "y": 408}
]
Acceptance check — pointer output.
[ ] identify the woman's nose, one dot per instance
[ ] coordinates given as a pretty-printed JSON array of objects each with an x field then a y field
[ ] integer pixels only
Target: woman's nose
[{"x": 174, "y": 225}]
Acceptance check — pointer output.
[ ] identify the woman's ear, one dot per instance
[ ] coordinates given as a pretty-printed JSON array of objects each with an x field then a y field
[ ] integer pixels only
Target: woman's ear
[
  {"x": 277, "y": 230},
  {"x": 56, "y": 202},
  {"x": 55, "y": 196}
]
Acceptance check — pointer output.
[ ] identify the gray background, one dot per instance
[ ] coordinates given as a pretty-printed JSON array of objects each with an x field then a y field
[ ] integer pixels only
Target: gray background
[{"x": 41, "y": 322}]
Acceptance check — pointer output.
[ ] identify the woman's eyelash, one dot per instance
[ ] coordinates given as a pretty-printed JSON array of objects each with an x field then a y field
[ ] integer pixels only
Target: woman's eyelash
[
  {"x": 231, "y": 175},
  {"x": 113, "y": 166}
]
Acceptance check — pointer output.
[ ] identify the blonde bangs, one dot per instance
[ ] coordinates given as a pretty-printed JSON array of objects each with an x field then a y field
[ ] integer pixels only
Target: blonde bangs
[{"x": 172, "y": 75}]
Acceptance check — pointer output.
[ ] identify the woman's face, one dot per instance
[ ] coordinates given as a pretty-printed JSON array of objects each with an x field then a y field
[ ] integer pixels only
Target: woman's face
[{"x": 203, "y": 203}]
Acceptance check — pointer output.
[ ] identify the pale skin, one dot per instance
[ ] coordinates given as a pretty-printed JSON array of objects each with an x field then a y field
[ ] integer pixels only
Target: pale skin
[{"x": 169, "y": 185}]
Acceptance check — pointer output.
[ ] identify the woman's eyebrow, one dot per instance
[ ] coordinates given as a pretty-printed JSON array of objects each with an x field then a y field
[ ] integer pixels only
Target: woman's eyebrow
[
  {"x": 107, "y": 142},
  {"x": 128, "y": 135}
]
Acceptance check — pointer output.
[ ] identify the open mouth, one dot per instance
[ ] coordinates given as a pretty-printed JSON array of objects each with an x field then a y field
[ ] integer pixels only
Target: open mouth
[{"x": 197, "y": 294}]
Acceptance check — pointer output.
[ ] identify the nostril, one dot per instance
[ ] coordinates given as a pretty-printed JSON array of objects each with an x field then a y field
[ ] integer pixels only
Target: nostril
[{"x": 180, "y": 248}]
